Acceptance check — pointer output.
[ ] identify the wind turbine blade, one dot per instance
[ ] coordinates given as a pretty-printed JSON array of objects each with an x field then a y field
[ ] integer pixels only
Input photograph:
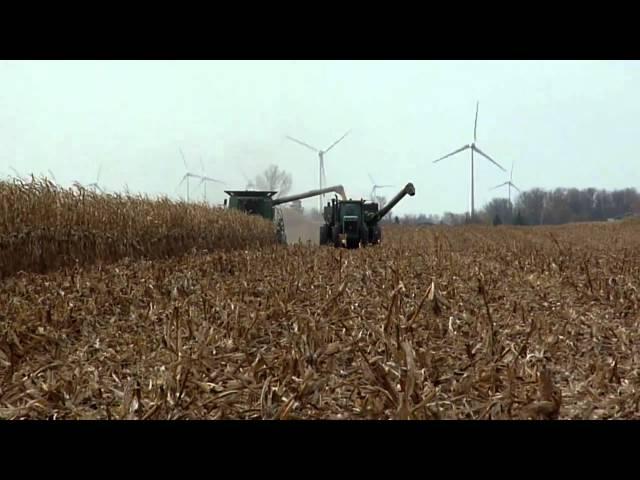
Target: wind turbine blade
[
  {"x": 303, "y": 144},
  {"x": 201, "y": 166},
  {"x": 99, "y": 172},
  {"x": 183, "y": 179},
  {"x": 511, "y": 176},
  {"x": 488, "y": 158},
  {"x": 371, "y": 178},
  {"x": 209, "y": 179},
  {"x": 498, "y": 186},
  {"x": 453, "y": 153},
  {"x": 475, "y": 125},
  {"x": 384, "y": 186},
  {"x": 184, "y": 160},
  {"x": 337, "y": 141},
  {"x": 514, "y": 186}
]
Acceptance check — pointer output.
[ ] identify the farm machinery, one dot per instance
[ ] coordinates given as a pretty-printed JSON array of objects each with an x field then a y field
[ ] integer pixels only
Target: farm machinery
[
  {"x": 261, "y": 202},
  {"x": 354, "y": 223}
]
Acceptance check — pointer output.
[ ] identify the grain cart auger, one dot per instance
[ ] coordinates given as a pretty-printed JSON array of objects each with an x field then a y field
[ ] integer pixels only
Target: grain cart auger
[
  {"x": 261, "y": 202},
  {"x": 351, "y": 223}
]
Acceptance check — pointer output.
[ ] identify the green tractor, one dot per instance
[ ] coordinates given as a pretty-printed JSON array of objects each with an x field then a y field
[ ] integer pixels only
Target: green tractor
[
  {"x": 355, "y": 223},
  {"x": 261, "y": 202}
]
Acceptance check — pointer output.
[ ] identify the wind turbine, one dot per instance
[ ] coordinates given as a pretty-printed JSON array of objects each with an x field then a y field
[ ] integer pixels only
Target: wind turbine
[
  {"x": 509, "y": 183},
  {"x": 187, "y": 175},
  {"x": 376, "y": 187},
  {"x": 321, "y": 154},
  {"x": 95, "y": 185},
  {"x": 472, "y": 146},
  {"x": 203, "y": 181}
]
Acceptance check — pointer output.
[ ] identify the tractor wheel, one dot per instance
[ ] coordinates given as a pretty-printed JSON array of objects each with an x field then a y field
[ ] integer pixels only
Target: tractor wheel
[
  {"x": 364, "y": 236},
  {"x": 375, "y": 235},
  {"x": 353, "y": 242},
  {"x": 281, "y": 236},
  {"x": 335, "y": 236},
  {"x": 323, "y": 235}
]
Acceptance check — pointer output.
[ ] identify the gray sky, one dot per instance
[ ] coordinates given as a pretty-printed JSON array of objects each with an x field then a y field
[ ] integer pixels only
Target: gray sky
[{"x": 562, "y": 123}]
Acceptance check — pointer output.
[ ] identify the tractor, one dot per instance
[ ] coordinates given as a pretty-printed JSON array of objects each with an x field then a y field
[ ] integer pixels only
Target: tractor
[
  {"x": 355, "y": 223},
  {"x": 262, "y": 203}
]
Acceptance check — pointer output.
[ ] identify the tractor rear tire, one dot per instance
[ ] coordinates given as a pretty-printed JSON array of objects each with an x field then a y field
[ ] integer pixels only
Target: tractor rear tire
[
  {"x": 353, "y": 242},
  {"x": 364, "y": 236},
  {"x": 281, "y": 235},
  {"x": 335, "y": 236},
  {"x": 324, "y": 235},
  {"x": 376, "y": 235}
]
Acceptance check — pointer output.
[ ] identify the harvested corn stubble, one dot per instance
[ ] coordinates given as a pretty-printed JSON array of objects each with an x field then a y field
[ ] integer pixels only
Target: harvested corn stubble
[{"x": 435, "y": 323}]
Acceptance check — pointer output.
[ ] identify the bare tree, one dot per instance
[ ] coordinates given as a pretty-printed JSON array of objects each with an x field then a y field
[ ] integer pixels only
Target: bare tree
[
  {"x": 273, "y": 179},
  {"x": 531, "y": 203},
  {"x": 499, "y": 207}
]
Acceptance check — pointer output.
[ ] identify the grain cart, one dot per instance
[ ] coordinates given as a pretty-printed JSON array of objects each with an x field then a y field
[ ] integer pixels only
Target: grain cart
[
  {"x": 261, "y": 202},
  {"x": 351, "y": 223}
]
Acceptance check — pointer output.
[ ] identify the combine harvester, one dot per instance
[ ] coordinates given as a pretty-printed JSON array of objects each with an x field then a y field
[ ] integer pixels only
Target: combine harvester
[
  {"x": 260, "y": 202},
  {"x": 355, "y": 223}
]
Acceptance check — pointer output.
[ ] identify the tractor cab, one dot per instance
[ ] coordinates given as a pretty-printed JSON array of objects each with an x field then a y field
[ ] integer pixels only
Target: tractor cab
[
  {"x": 370, "y": 209},
  {"x": 350, "y": 215},
  {"x": 343, "y": 222}
]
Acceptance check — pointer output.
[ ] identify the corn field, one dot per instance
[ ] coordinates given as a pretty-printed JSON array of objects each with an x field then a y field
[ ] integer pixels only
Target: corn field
[
  {"x": 44, "y": 227},
  {"x": 435, "y": 323}
]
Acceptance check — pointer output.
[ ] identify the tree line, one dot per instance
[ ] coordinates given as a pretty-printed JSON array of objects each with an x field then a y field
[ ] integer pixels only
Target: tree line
[{"x": 545, "y": 207}]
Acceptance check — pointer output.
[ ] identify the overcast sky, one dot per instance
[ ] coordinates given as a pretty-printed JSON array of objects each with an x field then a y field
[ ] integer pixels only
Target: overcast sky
[{"x": 562, "y": 123}]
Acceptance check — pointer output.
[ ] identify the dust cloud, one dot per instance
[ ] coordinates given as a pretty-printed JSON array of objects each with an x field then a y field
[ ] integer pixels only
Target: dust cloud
[{"x": 300, "y": 227}]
